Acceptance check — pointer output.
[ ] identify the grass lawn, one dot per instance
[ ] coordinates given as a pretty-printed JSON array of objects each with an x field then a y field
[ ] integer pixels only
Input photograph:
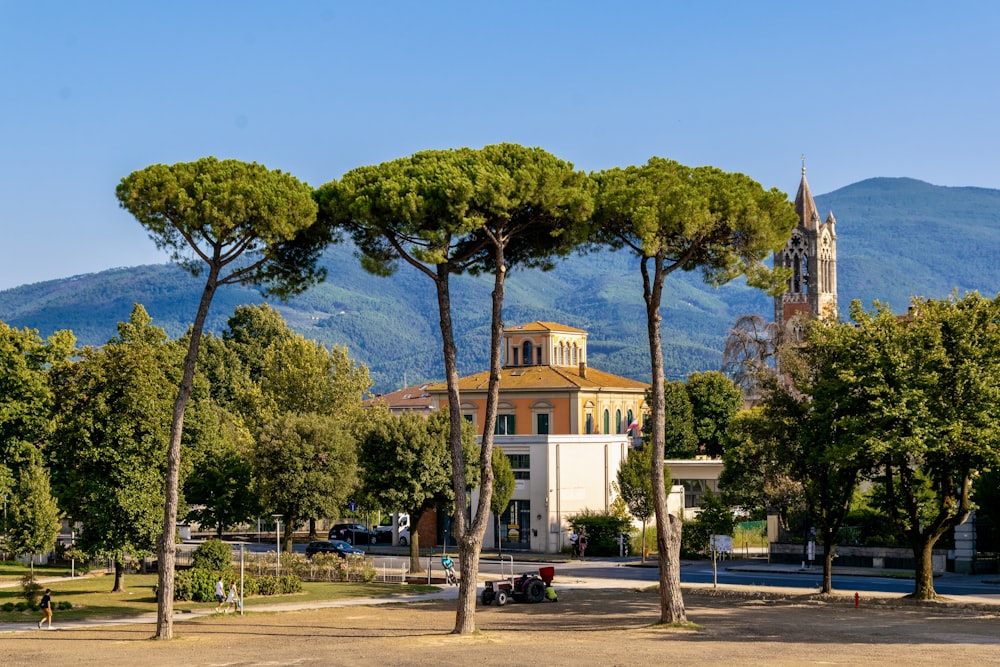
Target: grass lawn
[
  {"x": 91, "y": 597},
  {"x": 11, "y": 571}
]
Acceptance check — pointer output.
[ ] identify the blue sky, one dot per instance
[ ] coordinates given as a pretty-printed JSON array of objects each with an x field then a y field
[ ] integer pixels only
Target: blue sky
[{"x": 93, "y": 90}]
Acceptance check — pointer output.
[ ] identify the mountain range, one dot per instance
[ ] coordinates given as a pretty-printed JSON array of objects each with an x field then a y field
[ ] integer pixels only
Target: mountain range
[{"x": 896, "y": 238}]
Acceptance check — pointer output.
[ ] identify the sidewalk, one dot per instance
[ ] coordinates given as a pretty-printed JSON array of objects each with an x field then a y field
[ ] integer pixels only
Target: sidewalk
[{"x": 446, "y": 593}]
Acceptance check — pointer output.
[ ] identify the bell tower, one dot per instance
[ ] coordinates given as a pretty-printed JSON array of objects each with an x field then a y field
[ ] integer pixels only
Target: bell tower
[{"x": 811, "y": 255}]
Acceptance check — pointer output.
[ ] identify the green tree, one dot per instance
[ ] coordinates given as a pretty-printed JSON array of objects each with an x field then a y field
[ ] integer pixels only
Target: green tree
[
  {"x": 816, "y": 424},
  {"x": 451, "y": 212},
  {"x": 635, "y": 485},
  {"x": 503, "y": 485},
  {"x": 33, "y": 515},
  {"x": 680, "y": 440},
  {"x": 302, "y": 376},
  {"x": 405, "y": 463},
  {"x": 220, "y": 484},
  {"x": 929, "y": 402},
  {"x": 715, "y": 400},
  {"x": 306, "y": 466},
  {"x": 245, "y": 224},
  {"x": 25, "y": 392},
  {"x": 753, "y": 477},
  {"x": 108, "y": 452},
  {"x": 675, "y": 217}
]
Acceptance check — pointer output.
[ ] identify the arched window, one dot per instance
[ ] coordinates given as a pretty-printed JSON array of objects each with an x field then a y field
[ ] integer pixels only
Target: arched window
[
  {"x": 618, "y": 421},
  {"x": 629, "y": 420},
  {"x": 607, "y": 422},
  {"x": 528, "y": 356},
  {"x": 575, "y": 358}
]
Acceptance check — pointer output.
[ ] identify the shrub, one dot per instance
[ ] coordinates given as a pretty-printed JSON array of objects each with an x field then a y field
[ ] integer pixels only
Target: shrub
[
  {"x": 602, "y": 530},
  {"x": 63, "y": 605},
  {"x": 196, "y": 584},
  {"x": 8, "y": 606},
  {"x": 289, "y": 583},
  {"x": 31, "y": 590},
  {"x": 266, "y": 585},
  {"x": 715, "y": 518},
  {"x": 213, "y": 555}
]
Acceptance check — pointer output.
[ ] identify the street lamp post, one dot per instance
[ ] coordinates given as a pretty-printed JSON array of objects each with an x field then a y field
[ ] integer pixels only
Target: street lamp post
[{"x": 277, "y": 541}]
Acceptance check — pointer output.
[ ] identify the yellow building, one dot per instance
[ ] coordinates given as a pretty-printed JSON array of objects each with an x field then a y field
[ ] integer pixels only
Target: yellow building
[
  {"x": 564, "y": 426},
  {"x": 546, "y": 388}
]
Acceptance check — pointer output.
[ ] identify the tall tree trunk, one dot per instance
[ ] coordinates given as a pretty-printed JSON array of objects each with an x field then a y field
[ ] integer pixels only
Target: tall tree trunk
[
  {"x": 470, "y": 541},
  {"x": 469, "y": 565},
  {"x": 923, "y": 569},
  {"x": 119, "y": 577},
  {"x": 415, "y": 566},
  {"x": 668, "y": 528},
  {"x": 828, "y": 553},
  {"x": 288, "y": 537},
  {"x": 166, "y": 549},
  {"x": 642, "y": 546}
]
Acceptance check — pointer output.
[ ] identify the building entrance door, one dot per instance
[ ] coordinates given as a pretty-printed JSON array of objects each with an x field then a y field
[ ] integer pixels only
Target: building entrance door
[{"x": 515, "y": 526}]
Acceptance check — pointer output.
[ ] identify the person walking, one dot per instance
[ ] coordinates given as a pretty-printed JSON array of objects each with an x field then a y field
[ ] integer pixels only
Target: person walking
[
  {"x": 233, "y": 597},
  {"x": 574, "y": 543},
  {"x": 46, "y": 606},
  {"x": 583, "y": 546},
  {"x": 220, "y": 594}
]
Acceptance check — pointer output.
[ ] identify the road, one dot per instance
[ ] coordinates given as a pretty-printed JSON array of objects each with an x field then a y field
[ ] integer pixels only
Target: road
[
  {"x": 745, "y": 573},
  {"x": 762, "y": 576}
]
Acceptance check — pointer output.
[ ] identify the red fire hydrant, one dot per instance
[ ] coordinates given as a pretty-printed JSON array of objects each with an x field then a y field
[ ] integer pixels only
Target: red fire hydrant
[{"x": 857, "y": 599}]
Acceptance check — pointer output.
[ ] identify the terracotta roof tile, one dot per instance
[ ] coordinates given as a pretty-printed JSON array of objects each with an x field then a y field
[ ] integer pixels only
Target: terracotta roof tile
[
  {"x": 544, "y": 377},
  {"x": 544, "y": 326}
]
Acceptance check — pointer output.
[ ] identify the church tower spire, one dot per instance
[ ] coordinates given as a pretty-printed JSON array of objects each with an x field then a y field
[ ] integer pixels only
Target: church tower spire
[{"x": 811, "y": 255}]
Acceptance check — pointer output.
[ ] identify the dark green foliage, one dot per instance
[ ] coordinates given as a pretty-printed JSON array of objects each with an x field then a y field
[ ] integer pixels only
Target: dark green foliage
[
  {"x": 33, "y": 515},
  {"x": 869, "y": 527},
  {"x": 680, "y": 441},
  {"x": 213, "y": 555},
  {"x": 715, "y": 400},
  {"x": 602, "y": 530},
  {"x": 715, "y": 518},
  {"x": 108, "y": 451},
  {"x": 503, "y": 482},
  {"x": 31, "y": 590},
  {"x": 196, "y": 584},
  {"x": 406, "y": 465}
]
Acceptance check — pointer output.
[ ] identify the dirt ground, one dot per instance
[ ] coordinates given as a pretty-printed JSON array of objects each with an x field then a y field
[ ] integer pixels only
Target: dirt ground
[{"x": 586, "y": 626}]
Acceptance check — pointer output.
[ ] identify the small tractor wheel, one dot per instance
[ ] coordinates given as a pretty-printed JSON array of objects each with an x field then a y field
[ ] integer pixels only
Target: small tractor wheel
[
  {"x": 488, "y": 598},
  {"x": 535, "y": 591},
  {"x": 501, "y": 598}
]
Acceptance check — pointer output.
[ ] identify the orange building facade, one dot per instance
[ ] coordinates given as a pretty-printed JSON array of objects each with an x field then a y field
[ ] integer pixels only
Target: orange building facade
[{"x": 546, "y": 388}]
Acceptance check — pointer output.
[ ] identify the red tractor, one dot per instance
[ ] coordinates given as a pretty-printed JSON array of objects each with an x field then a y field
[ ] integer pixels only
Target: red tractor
[{"x": 528, "y": 587}]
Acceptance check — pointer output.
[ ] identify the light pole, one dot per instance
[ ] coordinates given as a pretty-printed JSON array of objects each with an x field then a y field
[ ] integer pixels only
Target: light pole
[{"x": 277, "y": 541}]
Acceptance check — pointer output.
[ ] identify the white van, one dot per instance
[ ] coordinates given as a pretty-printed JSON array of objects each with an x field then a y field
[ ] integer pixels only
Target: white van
[{"x": 384, "y": 533}]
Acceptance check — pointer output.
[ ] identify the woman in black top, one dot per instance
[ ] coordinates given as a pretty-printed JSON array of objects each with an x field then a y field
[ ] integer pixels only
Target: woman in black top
[{"x": 46, "y": 606}]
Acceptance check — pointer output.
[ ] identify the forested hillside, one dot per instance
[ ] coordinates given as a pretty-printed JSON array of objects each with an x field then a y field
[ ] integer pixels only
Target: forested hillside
[{"x": 896, "y": 238}]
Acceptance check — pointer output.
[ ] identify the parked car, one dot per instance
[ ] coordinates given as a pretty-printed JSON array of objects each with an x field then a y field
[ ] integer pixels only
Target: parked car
[
  {"x": 339, "y": 547},
  {"x": 385, "y": 536},
  {"x": 352, "y": 533}
]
